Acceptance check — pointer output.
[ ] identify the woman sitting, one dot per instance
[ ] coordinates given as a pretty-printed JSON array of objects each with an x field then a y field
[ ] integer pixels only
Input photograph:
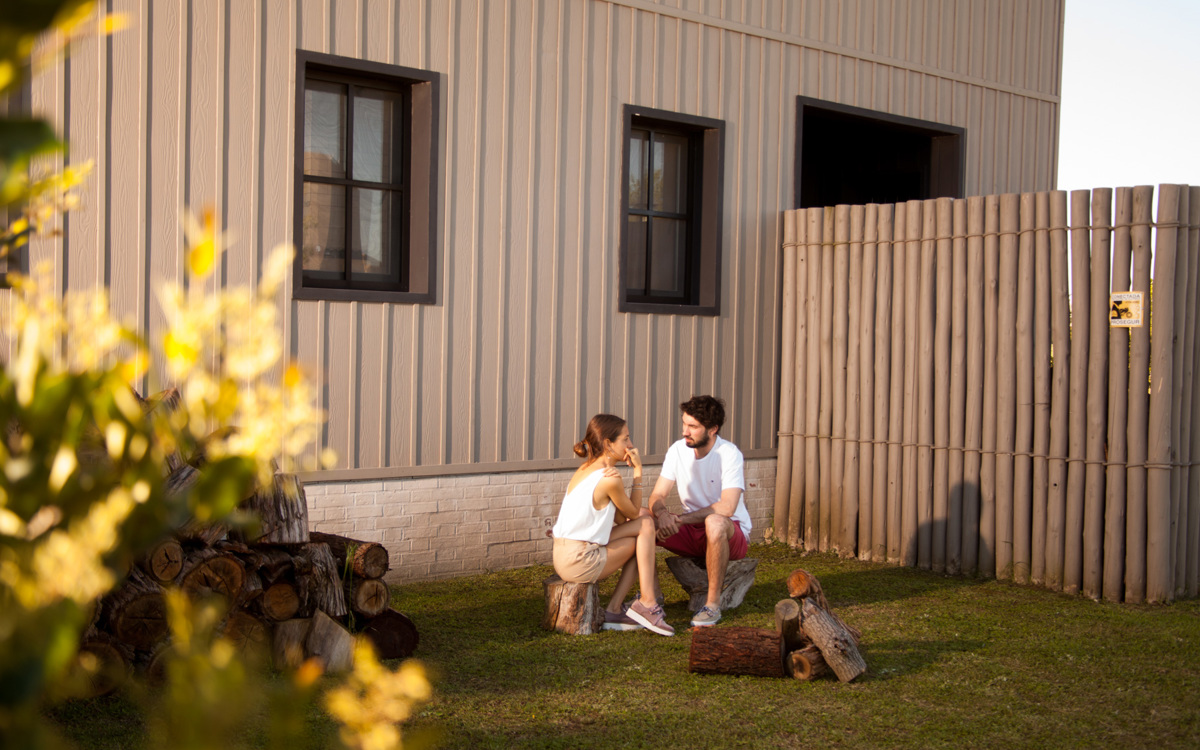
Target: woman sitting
[{"x": 588, "y": 547}]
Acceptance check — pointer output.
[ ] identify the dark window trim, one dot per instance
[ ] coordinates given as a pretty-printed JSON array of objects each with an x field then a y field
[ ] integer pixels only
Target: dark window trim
[
  {"x": 707, "y": 184},
  {"x": 949, "y": 145},
  {"x": 421, "y": 186}
]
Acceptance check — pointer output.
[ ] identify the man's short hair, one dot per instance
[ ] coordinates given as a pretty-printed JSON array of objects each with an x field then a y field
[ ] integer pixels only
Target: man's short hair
[{"x": 706, "y": 410}]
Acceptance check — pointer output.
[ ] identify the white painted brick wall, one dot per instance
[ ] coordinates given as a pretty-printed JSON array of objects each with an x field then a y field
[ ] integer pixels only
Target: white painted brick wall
[{"x": 442, "y": 527}]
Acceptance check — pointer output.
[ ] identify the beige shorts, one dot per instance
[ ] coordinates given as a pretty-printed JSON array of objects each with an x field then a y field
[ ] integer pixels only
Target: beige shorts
[{"x": 579, "y": 562}]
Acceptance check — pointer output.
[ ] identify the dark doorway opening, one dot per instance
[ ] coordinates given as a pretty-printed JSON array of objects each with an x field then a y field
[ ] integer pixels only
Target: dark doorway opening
[{"x": 853, "y": 155}]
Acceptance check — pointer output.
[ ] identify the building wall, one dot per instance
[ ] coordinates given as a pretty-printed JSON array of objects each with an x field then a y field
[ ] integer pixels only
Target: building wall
[{"x": 447, "y": 526}]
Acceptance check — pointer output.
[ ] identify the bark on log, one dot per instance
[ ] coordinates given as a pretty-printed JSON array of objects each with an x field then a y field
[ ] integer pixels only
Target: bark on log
[
  {"x": 393, "y": 635},
  {"x": 287, "y": 643},
  {"x": 736, "y": 650},
  {"x": 836, "y": 642},
  {"x": 330, "y": 643},
  {"x": 135, "y": 613},
  {"x": 787, "y": 625},
  {"x": 366, "y": 596},
  {"x": 367, "y": 559},
  {"x": 208, "y": 570},
  {"x": 323, "y": 584},
  {"x": 572, "y": 608},
  {"x": 693, "y": 577},
  {"x": 164, "y": 561},
  {"x": 282, "y": 511},
  {"x": 806, "y": 663},
  {"x": 179, "y": 483}
]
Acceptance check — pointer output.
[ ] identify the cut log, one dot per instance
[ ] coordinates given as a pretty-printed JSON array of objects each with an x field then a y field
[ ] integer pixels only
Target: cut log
[
  {"x": 330, "y": 643},
  {"x": 282, "y": 511},
  {"x": 736, "y": 650},
  {"x": 801, "y": 584},
  {"x": 322, "y": 583},
  {"x": 834, "y": 639},
  {"x": 279, "y": 601},
  {"x": 247, "y": 633},
  {"x": 693, "y": 577},
  {"x": 393, "y": 635},
  {"x": 806, "y": 663},
  {"x": 572, "y": 608},
  {"x": 787, "y": 624},
  {"x": 164, "y": 561},
  {"x": 287, "y": 644},
  {"x": 135, "y": 613},
  {"x": 106, "y": 664},
  {"x": 367, "y": 559},
  {"x": 209, "y": 571},
  {"x": 367, "y": 596}
]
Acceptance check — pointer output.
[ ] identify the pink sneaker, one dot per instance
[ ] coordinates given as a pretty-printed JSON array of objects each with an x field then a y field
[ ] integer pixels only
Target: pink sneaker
[{"x": 651, "y": 619}]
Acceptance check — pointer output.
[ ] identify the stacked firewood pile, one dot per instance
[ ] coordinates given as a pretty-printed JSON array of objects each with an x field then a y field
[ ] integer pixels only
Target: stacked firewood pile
[
  {"x": 292, "y": 593},
  {"x": 809, "y": 640}
]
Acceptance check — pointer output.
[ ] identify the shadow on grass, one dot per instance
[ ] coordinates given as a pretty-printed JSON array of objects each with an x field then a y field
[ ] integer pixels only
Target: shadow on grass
[{"x": 902, "y": 657}]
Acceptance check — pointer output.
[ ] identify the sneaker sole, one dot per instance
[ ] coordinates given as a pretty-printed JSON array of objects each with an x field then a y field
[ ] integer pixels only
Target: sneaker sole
[
  {"x": 619, "y": 626},
  {"x": 647, "y": 624},
  {"x": 704, "y": 624}
]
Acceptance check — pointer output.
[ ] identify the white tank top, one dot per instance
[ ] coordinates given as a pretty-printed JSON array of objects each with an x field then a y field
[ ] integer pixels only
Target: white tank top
[{"x": 579, "y": 519}]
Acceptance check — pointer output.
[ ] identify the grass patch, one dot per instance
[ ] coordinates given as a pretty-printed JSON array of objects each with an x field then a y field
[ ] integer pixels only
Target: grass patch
[{"x": 953, "y": 662}]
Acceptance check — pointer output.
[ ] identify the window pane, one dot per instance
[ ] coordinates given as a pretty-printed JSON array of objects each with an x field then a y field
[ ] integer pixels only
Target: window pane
[
  {"x": 638, "y": 144},
  {"x": 667, "y": 256},
  {"x": 376, "y": 136},
  {"x": 324, "y": 242},
  {"x": 635, "y": 255},
  {"x": 324, "y": 129},
  {"x": 372, "y": 237},
  {"x": 670, "y": 172}
]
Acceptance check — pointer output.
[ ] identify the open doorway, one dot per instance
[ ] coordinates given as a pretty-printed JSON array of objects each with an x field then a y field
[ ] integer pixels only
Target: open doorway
[{"x": 853, "y": 155}]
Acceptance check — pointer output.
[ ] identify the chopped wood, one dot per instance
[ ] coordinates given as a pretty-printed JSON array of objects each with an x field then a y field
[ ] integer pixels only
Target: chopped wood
[
  {"x": 287, "y": 643},
  {"x": 693, "y": 577},
  {"x": 282, "y": 511},
  {"x": 806, "y": 663},
  {"x": 837, "y": 644},
  {"x": 247, "y": 633},
  {"x": 164, "y": 561},
  {"x": 572, "y": 608},
  {"x": 322, "y": 582},
  {"x": 106, "y": 662},
  {"x": 135, "y": 613},
  {"x": 367, "y": 596},
  {"x": 736, "y": 650},
  {"x": 367, "y": 559},
  {"x": 787, "y": 624},
  {"x": 279, "y": 601},
  {"x": 207, "y": 570},
  {"x": 330, "y": 643},
  {"x": 393, "y": 635}
]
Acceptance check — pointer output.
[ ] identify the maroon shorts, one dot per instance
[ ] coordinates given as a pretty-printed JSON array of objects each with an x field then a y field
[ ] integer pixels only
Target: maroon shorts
[{"x": 691, "y": 541}]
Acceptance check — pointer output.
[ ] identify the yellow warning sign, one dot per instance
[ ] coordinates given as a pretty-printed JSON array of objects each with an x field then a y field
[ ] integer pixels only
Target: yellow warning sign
[{"x": 1125, "y": 310}]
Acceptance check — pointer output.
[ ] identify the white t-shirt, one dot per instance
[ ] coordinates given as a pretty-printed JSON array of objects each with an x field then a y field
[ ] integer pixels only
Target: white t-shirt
[{"x": 700, "y": 482}]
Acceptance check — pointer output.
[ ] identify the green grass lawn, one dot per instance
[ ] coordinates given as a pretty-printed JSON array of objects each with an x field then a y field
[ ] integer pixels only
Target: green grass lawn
[{"x": 953, "y": 662}]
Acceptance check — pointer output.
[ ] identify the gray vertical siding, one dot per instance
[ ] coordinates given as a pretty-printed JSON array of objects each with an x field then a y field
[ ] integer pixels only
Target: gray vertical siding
[{"x": 193, "y": 106}]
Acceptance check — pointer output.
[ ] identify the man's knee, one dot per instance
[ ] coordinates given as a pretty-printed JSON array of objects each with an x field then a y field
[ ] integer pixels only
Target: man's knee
[{"x": 718, "y": 528}]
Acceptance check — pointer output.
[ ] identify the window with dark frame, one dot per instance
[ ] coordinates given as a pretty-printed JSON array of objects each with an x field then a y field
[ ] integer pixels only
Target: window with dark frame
[
  {"x": 671, "y": 213},
  {"x": 365, "y": 179}
]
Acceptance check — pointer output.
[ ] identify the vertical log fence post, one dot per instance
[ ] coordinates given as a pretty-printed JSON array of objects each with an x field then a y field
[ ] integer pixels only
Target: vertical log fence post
[
  {"x": 987, "y": 471},
  {"x": 787, "y": 365},
  {"x": 800, "y": 380},
  {"x": 973, "y": 433},
  {"x": 812, "y": 396},
  {"x": 1180, "y": 434},
  {"x": 1060, "y": 333},
  {"x": 895, "y": 453},
  {"x": 828, "y": 387},
  {"x": 1192, "y": 576},
  {"x": 848, "y": 514},
  {"x": 866, "y": 381},
  {"x": 926, "y": 339},
  {"x": 1022, "y": 497},
  {"x": 1159, "y": 529},
  {"x": 883, "y": 369},
  {"x": 1139, "y": 403},
  {"x": 1097, "y": 392},
  {"x": 912, "y": 326},
  {"x": 1081, "y": 275},
  {"x": 837, "y": 443},
  {"x": 1041, "y": 385},
  {"x": 1006, "y": 381},
  {"x": 943, "y": 319},
  {"x": 958, "y": 387},
  {"x": 1118, "y": 409}
]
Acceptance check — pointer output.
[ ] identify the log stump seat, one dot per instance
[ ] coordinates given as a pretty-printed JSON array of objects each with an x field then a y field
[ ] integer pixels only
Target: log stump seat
[
  {"x": 572, "y": 608},
  {"x": 692, "y": 575}
]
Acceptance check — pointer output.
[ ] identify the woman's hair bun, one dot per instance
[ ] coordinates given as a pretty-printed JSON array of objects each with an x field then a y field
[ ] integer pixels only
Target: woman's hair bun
[{"x": 581, "y": 449}]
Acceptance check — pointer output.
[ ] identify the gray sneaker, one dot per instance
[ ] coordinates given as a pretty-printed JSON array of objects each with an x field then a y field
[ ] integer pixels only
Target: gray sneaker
[
  {"x": 619, "y": 621},
  {"x": 706, "y": 617},
  {"x": 651, "y": 619}
]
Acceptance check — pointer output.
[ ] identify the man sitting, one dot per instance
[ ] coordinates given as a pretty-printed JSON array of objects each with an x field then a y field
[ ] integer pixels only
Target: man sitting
[{"x": 715, "y": 525}]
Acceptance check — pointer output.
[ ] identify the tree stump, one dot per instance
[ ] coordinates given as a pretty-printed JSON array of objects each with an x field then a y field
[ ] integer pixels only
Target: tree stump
[
  {"x": 366, "y": 596},
  {"x": 322, "y": 580},
  {"x": 287, "y": 645},
  {"x": 806, "y": 663},
  {"x": 282, "y": 511},
  {"x": 736, "y": 650},
  {"x": 330, "y": 643},
  {"x": 279, "y": 602},
  {"x": 572, "y": 608},
  {"x": 164, "y": 560},
  {"x": 836, "y": 642},
  {"x": 693, "y": 577},
  {"x": 136, "y": 613},
  {"x": 787, "y": 624},
  {"x": 393, "y": 635}
]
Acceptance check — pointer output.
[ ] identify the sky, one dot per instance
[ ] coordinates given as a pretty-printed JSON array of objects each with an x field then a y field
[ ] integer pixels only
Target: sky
[{"x": 1130, "y": 94}]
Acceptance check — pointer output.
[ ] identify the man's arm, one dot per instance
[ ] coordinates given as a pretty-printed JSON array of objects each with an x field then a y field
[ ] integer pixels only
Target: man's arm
[
  {"x": 665, "y": 521},
  {"x": 726, "y": 506}
]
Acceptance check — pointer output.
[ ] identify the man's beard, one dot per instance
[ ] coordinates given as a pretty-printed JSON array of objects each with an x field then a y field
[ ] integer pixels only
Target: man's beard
[{"x": 697, "y": 443}]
